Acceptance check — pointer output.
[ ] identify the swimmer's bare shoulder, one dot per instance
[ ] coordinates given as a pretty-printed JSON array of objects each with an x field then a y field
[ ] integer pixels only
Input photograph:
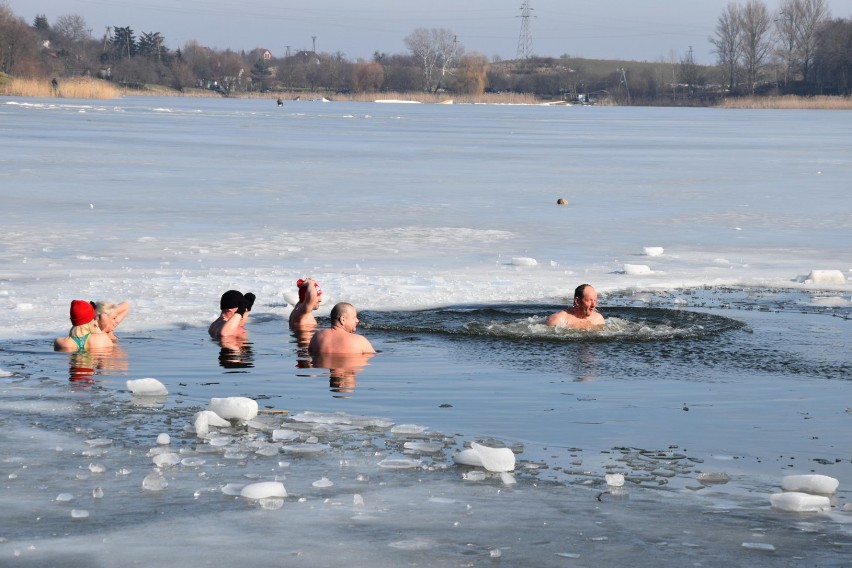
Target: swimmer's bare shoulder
[
  {"x": 564, "y": 318},
  {"x": 559, "y": 318}
]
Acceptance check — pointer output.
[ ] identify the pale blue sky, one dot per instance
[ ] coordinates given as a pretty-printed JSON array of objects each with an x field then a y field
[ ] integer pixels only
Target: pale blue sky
[{"x": 611, "y": 29}]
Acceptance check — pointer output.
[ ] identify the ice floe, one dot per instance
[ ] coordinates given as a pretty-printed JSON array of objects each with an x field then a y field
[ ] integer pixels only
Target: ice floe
[
  {"x": 146, "y": 387},
  {"x": 636, "y": 269},
  {"x": 263, "y": 489},
  {"x": 796, "y": 502},
  {"x": 825, "y": 277},
  {"x": 524, "y": 261},
  {"x": 234, "y": 407},
  {"x": 810, "y": 483},
  {"x": 614, "y": 479},
  {"x": 492, "y": 459}
]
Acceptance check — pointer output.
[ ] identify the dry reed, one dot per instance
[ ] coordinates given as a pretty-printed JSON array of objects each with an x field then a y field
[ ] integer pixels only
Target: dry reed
[
  {"x": 75, "y": 88},
  {"x": 484, "y": 98},
  {"x": 161, "y": 91},
  {"x": 788, "y": 102}
]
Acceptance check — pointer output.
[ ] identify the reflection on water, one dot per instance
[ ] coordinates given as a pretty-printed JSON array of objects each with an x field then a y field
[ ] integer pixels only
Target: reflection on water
[
  {"x": 302, "y": 336},
  {"x": 84, "y": 366},
  {"x": 235, "y": 353},
  {"x": 586, "y": 363},
  {"x": 343, "y": 369}
]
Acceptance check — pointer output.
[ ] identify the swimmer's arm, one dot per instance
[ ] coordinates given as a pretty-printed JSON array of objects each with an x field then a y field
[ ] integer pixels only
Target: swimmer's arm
[
  {"x": 120, "y": 312},
  {"x": 310, "y": 291},
  {"x": 232, "y": 326}
]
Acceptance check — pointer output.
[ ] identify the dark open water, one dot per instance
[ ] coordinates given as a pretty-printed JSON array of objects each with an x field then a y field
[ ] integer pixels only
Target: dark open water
[{"x": 751, "y": 383}]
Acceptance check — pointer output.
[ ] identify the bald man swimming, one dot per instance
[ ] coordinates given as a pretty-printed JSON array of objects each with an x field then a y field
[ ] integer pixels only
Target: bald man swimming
[{"x": 583, "y": 314}]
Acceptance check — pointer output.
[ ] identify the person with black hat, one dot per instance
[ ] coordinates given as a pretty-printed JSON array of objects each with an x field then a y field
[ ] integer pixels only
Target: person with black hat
[
  {"x": 84, "y": 335},
  {"x": 235, "y": 311}
]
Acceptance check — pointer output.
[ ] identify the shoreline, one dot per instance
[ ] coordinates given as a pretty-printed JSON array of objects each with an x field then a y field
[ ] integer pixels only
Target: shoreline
[{"x": 85, "y": 88}]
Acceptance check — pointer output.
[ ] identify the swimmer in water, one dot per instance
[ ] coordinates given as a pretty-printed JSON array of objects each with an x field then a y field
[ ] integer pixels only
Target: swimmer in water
[
  {"x": 109, "y": 315},
  {"x": 340, "y": 338},
  {"x": 85, "y": 335},
  {"x": 310, "y": 296},
  {"x": 583, "y": 314},
  {"x": 235, "y": 312}
]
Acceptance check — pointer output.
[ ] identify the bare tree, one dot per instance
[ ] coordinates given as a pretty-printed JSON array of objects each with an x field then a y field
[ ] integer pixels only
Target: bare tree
[
  {"x": 367, "y": 76},
  {"x": 726, "y": 42},
  {"x": 437, "y": 50},
  {"x": 200, "y": 61},
  {"x": 799, "y": 23},
  {"x": 182, "y": 75},
  {"x": 833, "y": 58},
  {"x": 755, "y": 40},
  {"x": 449, "y": 51},
  {"x": 228, "y": 70},
  {"x": 17, "y": 40},
  {"x": 72, "y": 28},
  {"x": 785, "y": 30},
  {"x": 420, "y": 44}
]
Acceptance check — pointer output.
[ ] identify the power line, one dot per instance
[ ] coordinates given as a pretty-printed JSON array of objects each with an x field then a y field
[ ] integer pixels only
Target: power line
[{"x": 525, "y": 37}]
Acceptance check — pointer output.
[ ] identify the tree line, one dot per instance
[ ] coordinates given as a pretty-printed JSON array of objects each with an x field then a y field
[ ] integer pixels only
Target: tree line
[{"x": 798, "y": 49}]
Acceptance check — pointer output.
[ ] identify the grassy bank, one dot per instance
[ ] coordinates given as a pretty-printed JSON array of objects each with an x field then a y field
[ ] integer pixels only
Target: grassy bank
[
  {"x": 789, "y": 102},
  {"x": 76, "y": 88}
]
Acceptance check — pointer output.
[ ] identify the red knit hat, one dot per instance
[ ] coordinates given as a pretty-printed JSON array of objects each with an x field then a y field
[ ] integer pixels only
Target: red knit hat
[
  {"x": 303, "y": 289},
  {"x": 82, "y": 312}
]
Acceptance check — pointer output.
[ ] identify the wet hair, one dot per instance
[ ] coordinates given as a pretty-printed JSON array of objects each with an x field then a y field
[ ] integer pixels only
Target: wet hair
[
  {"x": 580, "y": 290},
  {"x": 104, "y": 308},
  {"x": 339, "y": 310},
  {"x": 81, "y": 330}
]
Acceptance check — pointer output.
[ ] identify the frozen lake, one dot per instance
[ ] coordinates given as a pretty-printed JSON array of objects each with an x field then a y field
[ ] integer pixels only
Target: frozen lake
[{"x": 726, "y": 352}]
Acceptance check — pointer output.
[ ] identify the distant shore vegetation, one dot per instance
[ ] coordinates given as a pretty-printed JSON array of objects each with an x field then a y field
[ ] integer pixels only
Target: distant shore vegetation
[
  {"x": 796, "y": 57},
  {"x": 72, "y": 88}
]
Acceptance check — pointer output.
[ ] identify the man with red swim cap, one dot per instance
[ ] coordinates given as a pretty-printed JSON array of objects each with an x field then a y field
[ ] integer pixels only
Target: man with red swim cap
[
  {"x": 310, "y": 296},
  {"x": 235, "y": 312}
]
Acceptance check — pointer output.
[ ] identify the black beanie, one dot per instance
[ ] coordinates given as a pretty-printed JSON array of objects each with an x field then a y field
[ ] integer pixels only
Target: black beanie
[{"x": 231, "y": 299}]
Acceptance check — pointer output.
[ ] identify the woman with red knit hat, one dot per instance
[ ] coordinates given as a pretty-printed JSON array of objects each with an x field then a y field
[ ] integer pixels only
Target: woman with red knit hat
[{"x": 85, "y": 334}]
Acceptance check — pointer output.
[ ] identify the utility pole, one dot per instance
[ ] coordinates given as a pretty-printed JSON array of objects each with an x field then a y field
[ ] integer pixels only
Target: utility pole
[
  {"x": 315, "y": 43},
  {"x": 624, "y": 82},
  {"x": 525, "y": 37},
  {"x": 288, "y": 51}
]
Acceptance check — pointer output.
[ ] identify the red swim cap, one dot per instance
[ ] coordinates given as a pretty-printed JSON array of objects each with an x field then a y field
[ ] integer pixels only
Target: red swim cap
[
  {"x": 303, "y": 290},
  {"x": 82, "y": 312}
]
